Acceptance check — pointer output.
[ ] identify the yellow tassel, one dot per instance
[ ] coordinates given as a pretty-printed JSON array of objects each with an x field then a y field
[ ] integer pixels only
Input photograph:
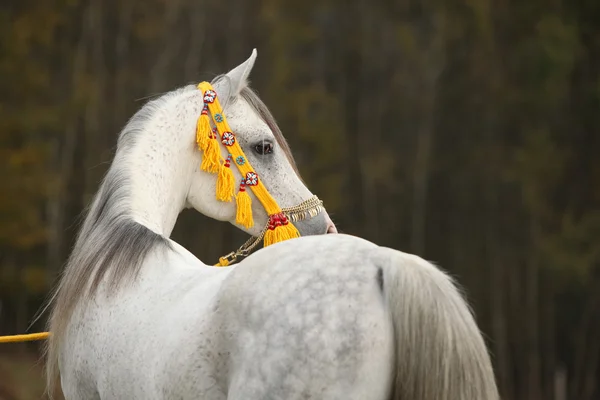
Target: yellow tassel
[
  {"x": 223, "y": 262},
  {"x": 203, "y": 132},
  {"x": 210, "y": 159},
  {"x": 225, "y": 183},
  {"x": 280, "y": 233},
  {"x": 244, "y": 209}
]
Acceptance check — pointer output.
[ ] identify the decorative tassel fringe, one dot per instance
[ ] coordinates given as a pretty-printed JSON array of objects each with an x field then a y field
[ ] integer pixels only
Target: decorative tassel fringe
[
  {"x": 203, "y": 134},
  {"x": 210, "y": 159},
  {"x": 225, "y": 182},
  {"x": 223, "y": 262},
  {"x": 280, "y": 229},
  {"x": 244, "y": 208}
]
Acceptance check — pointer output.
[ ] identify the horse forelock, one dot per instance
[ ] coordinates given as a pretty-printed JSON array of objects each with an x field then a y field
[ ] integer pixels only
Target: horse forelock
[{"x": 258, "y": 106}]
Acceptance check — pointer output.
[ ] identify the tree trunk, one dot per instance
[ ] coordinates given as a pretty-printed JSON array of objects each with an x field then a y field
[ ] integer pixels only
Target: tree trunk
[
  {"x": 159, "y": 75},
  {"x": 587, "y": 350},
  {"x": 22, "y": 314},
  {"x": 431, "y": 63},
  {"x": 421, "y": 185},
  {"x": 351, "y": 75},
  {"x": 532, "y": 314},
  {"x": 64, "y": 157},
  {"x": 94, "y": 113},
  {"x": 549, "y": 366},
  {"x": 368, "y": 138},
  {"x": 560, "y": 383},
  {"x": 122, "y": 47},
  {"x": 497, "y": 291},
  {"x": 197, "y": 23}
]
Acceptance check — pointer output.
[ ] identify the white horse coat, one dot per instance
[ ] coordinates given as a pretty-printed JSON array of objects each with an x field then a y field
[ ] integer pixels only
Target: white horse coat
[{"x": 136, "y": 316}]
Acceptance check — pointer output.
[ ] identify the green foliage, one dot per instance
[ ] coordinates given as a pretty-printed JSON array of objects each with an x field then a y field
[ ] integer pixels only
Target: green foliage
[
  {"x": 538, "y": 166},
  {"x": 21, "y": 220},
  {"x": 26, "y": 123},
  {"x": 546, "y": 60},
  {"x": 574, "y": 249}
]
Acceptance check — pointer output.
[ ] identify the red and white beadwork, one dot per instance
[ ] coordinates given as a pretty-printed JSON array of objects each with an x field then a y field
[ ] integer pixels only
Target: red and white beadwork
[
  {"x": 251, "y": 179},
  {"x": 209, "y": 96},
  {"x": 276, "y": 220},
  {"x": 228, "y": 139}
]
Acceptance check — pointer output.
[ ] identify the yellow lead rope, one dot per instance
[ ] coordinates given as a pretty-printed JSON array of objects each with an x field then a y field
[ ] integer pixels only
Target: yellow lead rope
[{"x": 24, "y": 338}]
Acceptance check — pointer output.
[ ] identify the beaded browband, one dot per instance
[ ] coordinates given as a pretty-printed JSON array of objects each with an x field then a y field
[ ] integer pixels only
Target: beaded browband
[{"x": 279, "y": 226}]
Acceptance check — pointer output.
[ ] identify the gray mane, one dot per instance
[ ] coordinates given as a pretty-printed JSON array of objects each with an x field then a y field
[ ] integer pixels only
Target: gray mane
[{"x": 110, "y": 244}]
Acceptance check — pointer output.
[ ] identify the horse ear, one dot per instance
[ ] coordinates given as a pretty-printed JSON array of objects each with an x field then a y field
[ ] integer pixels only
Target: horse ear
[{"x": 238, "y": 77}]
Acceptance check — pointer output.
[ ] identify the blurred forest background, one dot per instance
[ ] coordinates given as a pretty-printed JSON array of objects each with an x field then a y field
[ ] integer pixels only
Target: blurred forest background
[{"x": 465, "y": 131}]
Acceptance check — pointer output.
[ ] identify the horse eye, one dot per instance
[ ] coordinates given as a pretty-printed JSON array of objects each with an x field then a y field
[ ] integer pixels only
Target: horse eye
[{"x": 264, "y": 148}]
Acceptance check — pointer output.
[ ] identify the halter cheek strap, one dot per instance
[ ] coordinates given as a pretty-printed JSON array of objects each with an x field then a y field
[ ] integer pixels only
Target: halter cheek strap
[{"x": 278, "y": 228}]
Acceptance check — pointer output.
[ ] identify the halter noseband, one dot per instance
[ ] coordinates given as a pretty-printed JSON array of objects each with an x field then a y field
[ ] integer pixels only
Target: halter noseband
[{"x": 279, "y": 226}]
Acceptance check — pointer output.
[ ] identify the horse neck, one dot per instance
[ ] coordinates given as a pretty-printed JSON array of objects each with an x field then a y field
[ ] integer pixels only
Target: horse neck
[{"x": 159, "y": 166}]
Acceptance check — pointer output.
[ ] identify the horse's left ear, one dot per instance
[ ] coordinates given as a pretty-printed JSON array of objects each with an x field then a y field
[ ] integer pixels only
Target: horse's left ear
[{"x": 238, "y": 77}]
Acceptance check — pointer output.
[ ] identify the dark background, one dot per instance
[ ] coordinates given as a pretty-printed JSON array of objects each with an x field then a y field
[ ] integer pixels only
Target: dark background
[{"x": 465, "y": 131}]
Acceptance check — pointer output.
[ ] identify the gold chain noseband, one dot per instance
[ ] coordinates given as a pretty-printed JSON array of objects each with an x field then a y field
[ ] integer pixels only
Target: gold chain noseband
[{"x": 307, "y": 209}]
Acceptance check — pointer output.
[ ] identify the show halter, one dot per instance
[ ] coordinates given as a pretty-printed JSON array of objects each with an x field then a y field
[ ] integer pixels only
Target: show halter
[
  {"x": 307, "y": 209},
  {"x": 279, "y": 227}
]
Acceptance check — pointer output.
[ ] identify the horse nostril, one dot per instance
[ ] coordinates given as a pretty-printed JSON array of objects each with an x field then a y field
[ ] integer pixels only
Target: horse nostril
[
  {"x": 331, "y": 228},
  {"x": 330, "y": 225}
]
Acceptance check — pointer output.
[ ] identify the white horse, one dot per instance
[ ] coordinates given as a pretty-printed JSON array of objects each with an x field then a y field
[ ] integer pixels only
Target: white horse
[{"x": 136, "y": 316}]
